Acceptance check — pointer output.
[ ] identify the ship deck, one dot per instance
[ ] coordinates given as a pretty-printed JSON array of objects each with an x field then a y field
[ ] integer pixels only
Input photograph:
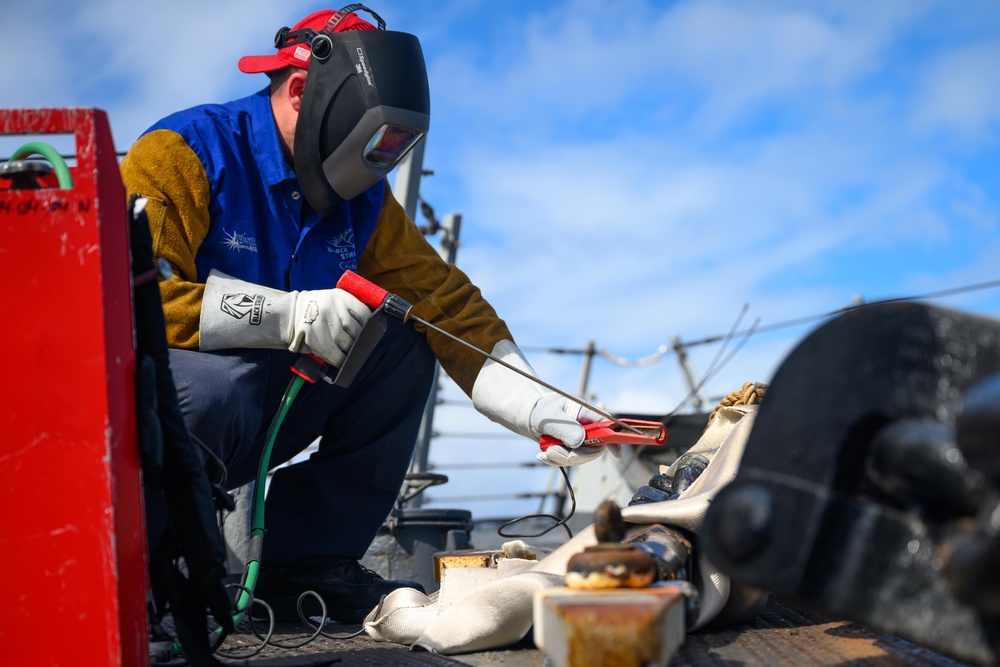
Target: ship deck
[{"x": 783, "y": 634}]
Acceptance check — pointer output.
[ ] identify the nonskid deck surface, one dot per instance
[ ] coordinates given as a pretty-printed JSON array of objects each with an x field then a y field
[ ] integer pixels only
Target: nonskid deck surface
[{"x": 783, "y": 634}]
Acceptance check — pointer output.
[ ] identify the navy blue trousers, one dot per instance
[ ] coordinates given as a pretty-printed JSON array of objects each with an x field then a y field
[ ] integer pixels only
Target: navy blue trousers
[{"x": 328, "y": 508}]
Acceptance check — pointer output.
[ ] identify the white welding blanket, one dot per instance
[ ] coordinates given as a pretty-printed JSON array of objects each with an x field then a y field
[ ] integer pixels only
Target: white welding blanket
[{"x": 478, "y": 609}]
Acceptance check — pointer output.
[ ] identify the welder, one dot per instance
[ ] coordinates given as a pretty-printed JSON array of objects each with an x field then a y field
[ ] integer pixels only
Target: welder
[{"x": 259, "y": 205}]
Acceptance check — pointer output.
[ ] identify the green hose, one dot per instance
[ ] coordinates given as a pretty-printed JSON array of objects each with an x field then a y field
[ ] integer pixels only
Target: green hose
[
  {"x": 257, "y": 513},
  {"x": 50, "y": 154}
]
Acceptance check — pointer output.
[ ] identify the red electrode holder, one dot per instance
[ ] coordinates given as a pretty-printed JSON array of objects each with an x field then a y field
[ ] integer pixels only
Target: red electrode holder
[
  {"x": 73, "y": 562},
  {"x": 373, "y": 296}
]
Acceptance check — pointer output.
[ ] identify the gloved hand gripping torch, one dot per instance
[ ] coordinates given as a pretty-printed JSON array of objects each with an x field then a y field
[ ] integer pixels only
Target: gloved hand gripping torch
[{"x": 374, "y": 297}]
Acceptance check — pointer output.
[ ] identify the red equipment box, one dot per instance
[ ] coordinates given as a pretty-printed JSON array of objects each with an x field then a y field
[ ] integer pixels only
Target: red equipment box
[{"x": 73, "y": 572}]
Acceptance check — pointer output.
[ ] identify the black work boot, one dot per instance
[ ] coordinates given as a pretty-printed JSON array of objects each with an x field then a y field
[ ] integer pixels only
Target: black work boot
[{"x": 350, "y": 590}]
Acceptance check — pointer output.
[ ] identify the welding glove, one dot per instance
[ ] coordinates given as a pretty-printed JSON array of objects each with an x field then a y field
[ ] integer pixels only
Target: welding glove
[
  {"x": 236, "y": 313},
  {"x": 526, "y": 408}
]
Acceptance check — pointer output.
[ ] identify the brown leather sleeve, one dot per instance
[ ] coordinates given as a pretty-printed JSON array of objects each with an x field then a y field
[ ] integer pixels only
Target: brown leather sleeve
[
  {"x": 162, "y": 167},
  {"x": 399, "y": 259}
]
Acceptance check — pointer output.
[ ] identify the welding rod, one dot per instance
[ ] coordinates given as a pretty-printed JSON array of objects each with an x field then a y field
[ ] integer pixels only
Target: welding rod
[{"x": 374, "y": 296}]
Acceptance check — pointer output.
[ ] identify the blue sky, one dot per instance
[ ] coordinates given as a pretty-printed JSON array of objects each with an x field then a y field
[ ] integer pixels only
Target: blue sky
[{"x": 629, "y": 172}]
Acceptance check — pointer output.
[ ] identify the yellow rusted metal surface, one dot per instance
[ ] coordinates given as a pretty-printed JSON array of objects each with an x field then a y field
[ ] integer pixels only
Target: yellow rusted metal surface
[
  {"x": 623, "y": 627},
  {"x": 464, "y": 558}
]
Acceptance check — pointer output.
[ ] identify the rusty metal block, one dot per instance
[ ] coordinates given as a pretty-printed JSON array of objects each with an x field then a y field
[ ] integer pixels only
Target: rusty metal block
[
  {"x": 610, "y": 565},
  {"x": 467, "y": 558},
  {"x": 623, "y": 627}
]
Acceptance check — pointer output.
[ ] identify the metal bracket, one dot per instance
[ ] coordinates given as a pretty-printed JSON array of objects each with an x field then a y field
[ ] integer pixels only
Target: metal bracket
[{"x": 871, "y": 467}]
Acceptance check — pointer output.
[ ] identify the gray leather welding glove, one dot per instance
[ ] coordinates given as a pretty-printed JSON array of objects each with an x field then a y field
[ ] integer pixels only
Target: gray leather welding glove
[
  {"x": 526, "y": 408},
  {"x": 236, "y": 313}
]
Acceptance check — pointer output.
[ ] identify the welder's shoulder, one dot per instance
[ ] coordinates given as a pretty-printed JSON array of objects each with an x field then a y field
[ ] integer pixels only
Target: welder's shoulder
[
  {"x": 217, "y": 134},
  {"x": 161, "y": 164},
  {"x": 209, "y": 123}
]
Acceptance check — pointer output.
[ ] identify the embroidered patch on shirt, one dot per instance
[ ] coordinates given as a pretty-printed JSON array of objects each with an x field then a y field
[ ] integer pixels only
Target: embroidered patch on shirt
[
  {"x": 343, "y": 246},
  {"x": 236, "y": 241}
]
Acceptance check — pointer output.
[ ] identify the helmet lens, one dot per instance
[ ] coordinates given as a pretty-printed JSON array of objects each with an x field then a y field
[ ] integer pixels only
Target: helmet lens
[{"x": 389, "y": 144}]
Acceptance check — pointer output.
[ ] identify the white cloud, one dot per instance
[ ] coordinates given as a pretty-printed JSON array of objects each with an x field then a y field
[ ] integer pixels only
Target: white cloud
[
  {"x": 712, "y": 61},
  {"x": 959, "y": 92}
]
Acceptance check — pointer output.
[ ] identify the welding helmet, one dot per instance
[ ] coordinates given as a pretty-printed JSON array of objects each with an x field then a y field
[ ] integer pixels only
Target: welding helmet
[{"x": 366, "y": 103}]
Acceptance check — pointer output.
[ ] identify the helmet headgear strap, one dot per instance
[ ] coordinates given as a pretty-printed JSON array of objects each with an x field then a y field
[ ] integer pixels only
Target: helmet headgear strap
[
  {"x": 331, "y": 25},
  {"x": 321, "y": 49}
]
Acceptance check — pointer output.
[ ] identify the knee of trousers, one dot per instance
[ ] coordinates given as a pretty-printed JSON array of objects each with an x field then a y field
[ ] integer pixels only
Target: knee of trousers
[{"x": 221, "y": 395}]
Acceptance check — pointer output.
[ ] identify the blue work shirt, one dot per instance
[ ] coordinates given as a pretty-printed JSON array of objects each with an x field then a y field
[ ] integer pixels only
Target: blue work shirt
[{"x": 262, "y": 230}]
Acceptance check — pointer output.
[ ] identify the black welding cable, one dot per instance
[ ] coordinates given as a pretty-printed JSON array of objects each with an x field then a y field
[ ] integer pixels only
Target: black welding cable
[
  {"x": 265, "y": 640},
  {"x": 558, "y": 521}
]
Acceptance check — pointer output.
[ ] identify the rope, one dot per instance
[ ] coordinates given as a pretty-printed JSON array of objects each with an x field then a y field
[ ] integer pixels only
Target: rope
[{"x": 751, "y": 393}]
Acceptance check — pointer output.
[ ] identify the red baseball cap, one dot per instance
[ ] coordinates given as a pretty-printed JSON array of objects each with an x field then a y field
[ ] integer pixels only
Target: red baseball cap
[{"x": 297, "y": 55}]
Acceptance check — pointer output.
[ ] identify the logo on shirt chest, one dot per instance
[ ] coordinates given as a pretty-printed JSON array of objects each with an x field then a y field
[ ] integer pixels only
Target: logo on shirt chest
[
  {"x": 239, "y": 242},
  {"x": 342, "y": 245}
]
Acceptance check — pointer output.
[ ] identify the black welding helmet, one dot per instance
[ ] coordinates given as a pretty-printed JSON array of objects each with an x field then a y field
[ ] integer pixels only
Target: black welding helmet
[{"x": 366, "y": 103}]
